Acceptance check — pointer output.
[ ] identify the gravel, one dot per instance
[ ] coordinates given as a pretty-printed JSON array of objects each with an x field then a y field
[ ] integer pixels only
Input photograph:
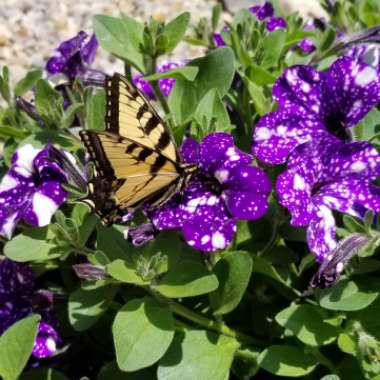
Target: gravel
[{"x": 31, "y": 29}]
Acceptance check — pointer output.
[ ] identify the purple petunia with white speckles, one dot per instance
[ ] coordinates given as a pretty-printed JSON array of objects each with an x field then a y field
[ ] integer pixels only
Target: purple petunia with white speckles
[
  {"x": 31, "y": 190},
  {"x": 263, "y": 12},
  {"x": 328, "y": 175},
  {"x": 314, "y": 103},
  {"x": 227, "y": 188},
  {"x": 19, "y": 298},
  {"x": 73, "y": 56},
  {"x": 366, "y": 53},
  {"x": 166, "y": 84}
]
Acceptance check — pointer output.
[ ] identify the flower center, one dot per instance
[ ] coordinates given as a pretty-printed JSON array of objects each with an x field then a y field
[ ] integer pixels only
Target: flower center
[{"x": 335, "y": 125}]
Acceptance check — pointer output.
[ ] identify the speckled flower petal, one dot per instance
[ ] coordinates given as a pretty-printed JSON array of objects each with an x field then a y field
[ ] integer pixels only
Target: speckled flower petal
[
  {"x": 210, "y": 229},
  {"x": 246, "y": 206},
  {"x": 190, "y": 150},
  {"x": 279, "y": 132},
  {"x": 218, "y": 150},
  {"x": 321, "y": 232},
  {"x": 294, "y": 192},
  {"x": 45, "y": 344},
  {"x": 262, "y": 11},
  {"x": 182, "y": 207},
  {"x": 44, "y": 203},
  {"x": 88, "y": 51},
  {"x": 352, "y": 88},
  {"x": 366, "y": 53},
  {"x": 23, "y": 160},
  {"x": 306, "y": 45},
  {"x": 218, "y": 39},
  {"x": 245, "y": 178},
  {"x": 346, "y": 194},
  {"x": 300, "y": 84},
  {"x": 69, "y": 47},
  {"x": 275, "y": 23},
  {"x": 15, "y": 278},
  {"x": 358, "y": 158}
]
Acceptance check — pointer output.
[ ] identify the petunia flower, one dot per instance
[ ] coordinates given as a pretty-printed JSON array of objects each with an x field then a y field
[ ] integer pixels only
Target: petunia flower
[
  {"x": 226, "y": 189},
  {"x": 275, "y": 23},
  {"x": 73, "y": 56},
  {"x": 31, "y": 190},
  {"x": 263, "y": 12},
  {"x": 366, "y": 53},
  {"x": 313, "y": 103},
  {"x": 20, "y": 298},
  {"x": 166, "y": 84},
  {"x": 306, "y": 45},
  {"x": 266, "y": 12},
  {"x": 327, "y": 175}
]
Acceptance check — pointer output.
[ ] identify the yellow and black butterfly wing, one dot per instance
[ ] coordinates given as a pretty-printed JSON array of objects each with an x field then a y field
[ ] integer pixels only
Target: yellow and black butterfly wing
[
  {"x": 129, "y": 114},
  {"x": 126, "y": 173}
]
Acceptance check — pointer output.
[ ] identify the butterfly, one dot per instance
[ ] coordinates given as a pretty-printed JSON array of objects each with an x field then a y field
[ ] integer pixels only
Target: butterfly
[{"x": 136, "y": 160}]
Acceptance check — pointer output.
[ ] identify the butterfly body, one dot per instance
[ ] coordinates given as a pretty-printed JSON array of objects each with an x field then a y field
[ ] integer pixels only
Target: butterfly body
[{"x": 135, "y": 159}]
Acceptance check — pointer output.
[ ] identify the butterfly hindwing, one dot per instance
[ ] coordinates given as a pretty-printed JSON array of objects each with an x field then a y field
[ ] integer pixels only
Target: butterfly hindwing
[
  {"x": 135, "y": 159},
  {"x": 126, "y": 173},
  {"x": 130, "y": 114}
]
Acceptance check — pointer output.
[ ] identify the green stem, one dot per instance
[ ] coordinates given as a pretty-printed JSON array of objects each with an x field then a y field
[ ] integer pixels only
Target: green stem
[
  {"x": 323, "y": 360},
  {"x": 157, "y": 90},
  {"x": 209, "y": 324}
]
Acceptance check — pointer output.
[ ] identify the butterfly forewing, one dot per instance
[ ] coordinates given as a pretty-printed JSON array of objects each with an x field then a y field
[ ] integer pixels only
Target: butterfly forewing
[
  {"x": 135, "y": 159},
  {"x": 130, "y": 114}
]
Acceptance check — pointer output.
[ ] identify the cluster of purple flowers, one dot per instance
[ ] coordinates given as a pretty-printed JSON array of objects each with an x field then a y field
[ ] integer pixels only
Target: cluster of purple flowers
[
  {"x": 263, "y": 13},
  {"x": 310, "y": 131},
  {"x": 227, "y": 188},
  {"x": 20, "y": 298}
]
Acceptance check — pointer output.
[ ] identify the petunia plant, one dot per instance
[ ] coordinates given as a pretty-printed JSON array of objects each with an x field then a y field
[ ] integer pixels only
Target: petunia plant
[{"x": 266, "y": 264}]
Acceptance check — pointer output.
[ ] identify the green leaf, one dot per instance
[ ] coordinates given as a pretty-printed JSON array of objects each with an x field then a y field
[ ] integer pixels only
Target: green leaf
[
  {"x": 28, "y": 82},
  {"x": 260, "y": 76},
  {"x": 175, "y": 30},
  {"x": 215, "y": 16},
  {"x": 284, "y": 360},
  {"x": 95, "y": 110},
  {"x": 16, "y": 345},
  {"x": 273, "y": 45},
  {"x": 307, "y": 323},
  {"x": 260, "y": 265},
  {"x": 184, "y": 72},
  {"x": 5, "y": 90},
  {"x": 88, "y": 303},
  {"x": 211, "y": 113},
  {"x": 43, "y": 374},
  {"x": 69, "y": 115},
  {"x": 111, "y": 372},
  {"x": 197, "y": 354},
  {"x": 49, "y": 103},
  {"x": 111, "y": 241},
  {"x": 347, "y": 344},
  {"x": 233, "y": 272},
  {"x": 39, "y": 248},
  {"x": 348, "y": 296},
  {"x": 121, "y": 37},
  {"x": 330, "y": 377},
  {"x": 142, "y": 332},
  {"x": 187, "y": 279},
  {"x": 260, "y": 101},
  {"x": 216, "y": 70},
  {"x": 123, "y": 271}
]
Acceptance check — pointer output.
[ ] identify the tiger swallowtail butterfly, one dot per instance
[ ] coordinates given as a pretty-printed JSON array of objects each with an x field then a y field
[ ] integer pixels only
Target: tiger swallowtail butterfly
[{"x": 135, "y": 159}]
